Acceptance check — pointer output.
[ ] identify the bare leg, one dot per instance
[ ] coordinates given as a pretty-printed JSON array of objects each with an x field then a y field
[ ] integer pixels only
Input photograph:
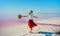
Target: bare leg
[{"x": 30, "y": 30}]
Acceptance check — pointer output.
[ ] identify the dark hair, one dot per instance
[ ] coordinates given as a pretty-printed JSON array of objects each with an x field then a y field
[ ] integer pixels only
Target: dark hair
[{"x": 30, "y": 11}]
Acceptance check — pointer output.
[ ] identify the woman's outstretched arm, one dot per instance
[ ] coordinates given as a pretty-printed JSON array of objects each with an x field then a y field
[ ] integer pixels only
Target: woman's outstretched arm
[
  {"x": 35, "y": 17},
  {"x": 24, "y": 16}
]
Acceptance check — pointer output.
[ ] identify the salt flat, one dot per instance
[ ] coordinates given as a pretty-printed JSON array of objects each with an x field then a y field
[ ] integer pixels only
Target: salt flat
[{"x": 22, "y": 28}]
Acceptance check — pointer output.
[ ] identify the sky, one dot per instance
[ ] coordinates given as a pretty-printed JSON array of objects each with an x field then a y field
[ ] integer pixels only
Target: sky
[{"x": 45, "y": 8}]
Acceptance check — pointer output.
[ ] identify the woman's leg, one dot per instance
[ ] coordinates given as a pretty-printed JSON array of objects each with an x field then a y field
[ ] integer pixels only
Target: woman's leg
[{"x": 31, "y": 30}]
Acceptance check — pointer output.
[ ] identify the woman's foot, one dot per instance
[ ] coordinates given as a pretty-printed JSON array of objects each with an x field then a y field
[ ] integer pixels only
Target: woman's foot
[{"x": 30, "y": 32}]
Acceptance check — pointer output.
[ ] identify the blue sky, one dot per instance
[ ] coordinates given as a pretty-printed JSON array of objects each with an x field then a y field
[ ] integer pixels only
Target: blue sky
[{"x": 10, "y": 8}]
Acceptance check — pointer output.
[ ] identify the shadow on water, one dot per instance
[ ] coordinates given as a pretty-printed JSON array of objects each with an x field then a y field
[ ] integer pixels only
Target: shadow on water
[
  {"x": 48, "y": 33},
  {"x": 58, "y": 33}
]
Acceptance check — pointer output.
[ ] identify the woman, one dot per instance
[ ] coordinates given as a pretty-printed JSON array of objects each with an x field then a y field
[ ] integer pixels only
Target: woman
[{"x": 31, "y": 23}]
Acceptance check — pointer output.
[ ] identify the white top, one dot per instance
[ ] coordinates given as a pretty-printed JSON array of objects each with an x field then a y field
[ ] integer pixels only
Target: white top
[{"x": 30, "y": 16}]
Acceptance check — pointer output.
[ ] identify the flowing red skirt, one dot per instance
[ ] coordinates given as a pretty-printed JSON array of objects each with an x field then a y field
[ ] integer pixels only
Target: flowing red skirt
[{"x": 31, "y": 24}]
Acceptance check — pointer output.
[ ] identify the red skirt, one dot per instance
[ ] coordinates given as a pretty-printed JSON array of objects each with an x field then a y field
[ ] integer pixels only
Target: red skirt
[{"x": 31, "y": 24}]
